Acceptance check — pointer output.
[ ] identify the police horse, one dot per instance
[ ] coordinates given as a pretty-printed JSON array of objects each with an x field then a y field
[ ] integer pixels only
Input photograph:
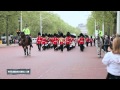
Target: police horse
[
  {"x": 25, "y": 43},
  {"x": 99, "y": 44}
]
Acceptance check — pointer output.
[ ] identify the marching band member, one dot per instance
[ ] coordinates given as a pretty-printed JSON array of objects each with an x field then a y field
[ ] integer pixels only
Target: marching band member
[
  {"x": 61, "y": 41},
  {"x": 91, "y": 40},
  {"x": 44, "y": 42},
  {"x": 87, "y": 41},
  {"x": 81, "y": 42},
  {"x": 55, "y": 41},
  {"x": 39, "y": 41},
  {"x": 68, "y": 41}
]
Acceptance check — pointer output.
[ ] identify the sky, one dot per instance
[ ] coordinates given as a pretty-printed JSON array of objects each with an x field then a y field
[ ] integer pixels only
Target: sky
[{"x": 74, "y": 18}]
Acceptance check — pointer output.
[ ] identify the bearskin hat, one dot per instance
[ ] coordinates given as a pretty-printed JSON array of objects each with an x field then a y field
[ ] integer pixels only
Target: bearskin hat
[
  {"x": 68, "y": 34},
  {"x": 55, "y": 34},
  {"x": 81, "y": 34},
  {"x": 61, "y": 34},
  {"x": 39, "y": 33},
  {"x": 43, "y": 35}
]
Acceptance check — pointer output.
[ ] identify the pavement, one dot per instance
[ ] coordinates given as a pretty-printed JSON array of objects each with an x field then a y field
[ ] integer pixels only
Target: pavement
[{"x": 11, "y": 45}]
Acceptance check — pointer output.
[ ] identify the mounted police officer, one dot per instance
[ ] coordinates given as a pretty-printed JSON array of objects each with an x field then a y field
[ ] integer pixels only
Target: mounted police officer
[{"x": 27, "y": 34}]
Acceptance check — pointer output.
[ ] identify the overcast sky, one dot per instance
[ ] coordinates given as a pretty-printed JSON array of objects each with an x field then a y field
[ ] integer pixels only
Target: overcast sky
[{"x": 74, "y": 17}]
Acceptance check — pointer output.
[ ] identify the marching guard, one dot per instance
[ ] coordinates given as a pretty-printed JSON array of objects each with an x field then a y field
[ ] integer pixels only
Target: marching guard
[
  {"x": 55, "y": 41},
  {"x": 81, "y": 42},
  {"x": 39, "y": 41},
  {"x": 61, "y": 41},
  {"x": 68, "y": 41}
]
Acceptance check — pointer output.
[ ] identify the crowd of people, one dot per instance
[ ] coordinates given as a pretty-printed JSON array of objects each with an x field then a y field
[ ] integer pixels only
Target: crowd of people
[
  {"x": 110, "y": 45},
  {"x": 112, "y": 57},
  {"x": 60, "y": 41},
  {"x": 56, "y": 41}
]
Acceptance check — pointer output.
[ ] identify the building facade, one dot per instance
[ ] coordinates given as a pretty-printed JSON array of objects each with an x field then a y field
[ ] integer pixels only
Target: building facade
[{"x": 83, "y": 28}]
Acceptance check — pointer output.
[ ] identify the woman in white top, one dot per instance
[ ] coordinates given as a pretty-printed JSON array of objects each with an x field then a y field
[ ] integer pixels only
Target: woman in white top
[{"x": 112, "y": 60}]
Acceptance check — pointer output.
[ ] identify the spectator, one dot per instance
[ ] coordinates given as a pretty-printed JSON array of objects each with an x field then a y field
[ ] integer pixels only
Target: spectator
[
  {"x": 94, "y": 41},
  {"x": 106, "y": 43},
  {"x": 112, "y": 60}
]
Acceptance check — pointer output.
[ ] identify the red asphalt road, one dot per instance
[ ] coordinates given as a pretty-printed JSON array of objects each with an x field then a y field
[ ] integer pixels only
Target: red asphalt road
[{"x": 52, "y": 64}]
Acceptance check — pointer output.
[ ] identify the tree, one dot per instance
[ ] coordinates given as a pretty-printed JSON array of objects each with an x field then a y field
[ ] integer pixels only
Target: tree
[
  {"x": 51, "y": 22},
  {"x": 108, "y": 17}
]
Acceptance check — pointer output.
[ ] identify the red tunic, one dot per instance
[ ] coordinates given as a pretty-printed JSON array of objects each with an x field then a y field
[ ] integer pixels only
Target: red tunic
[
  {"x": 90, "y": 40},
  {"x": 61, "y": 41},
  {"x": 87, "y": 39},
  {"x": 39, "y": 40},
  {"x": 55, "y": 40},
  {"x": 81, "y": 40},
  {"x": 68, "y": 40},
  {"x": 44, "y": 41},
  {"x": 52, "y": 40}
]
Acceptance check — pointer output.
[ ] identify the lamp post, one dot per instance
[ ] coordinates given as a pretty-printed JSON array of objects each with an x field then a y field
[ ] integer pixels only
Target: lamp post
[
  {"x": 7, "y": 40},
  {"x": 40, "y": 24},
  {"x": 95, "y": 27},
  {"x": 18, "y": 31},
  {"x": 19, "y": 23},
  {"x": 118, "y": 22},
  {"x": 103, "y": 29},
  {"x": 98, "y": 28},
  {"x": 41, "y": 27}
]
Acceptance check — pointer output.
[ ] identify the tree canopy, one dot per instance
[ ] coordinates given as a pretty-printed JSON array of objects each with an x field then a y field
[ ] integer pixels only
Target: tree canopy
[
  {"x": 51, "y": 23},
  {"x": 109, "y": 19}
]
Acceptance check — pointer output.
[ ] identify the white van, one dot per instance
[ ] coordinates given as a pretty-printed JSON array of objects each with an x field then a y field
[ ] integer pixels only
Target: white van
[{"x": 34, "y": 40}]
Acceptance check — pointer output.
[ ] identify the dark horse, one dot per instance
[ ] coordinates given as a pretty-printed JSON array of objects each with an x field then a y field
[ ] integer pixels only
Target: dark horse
[{"x": 25, "y": 42}]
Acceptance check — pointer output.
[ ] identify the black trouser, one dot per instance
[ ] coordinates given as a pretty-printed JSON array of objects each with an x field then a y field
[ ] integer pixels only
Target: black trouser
[
  {"x": 91, "y": 43},
  {"x": 61, "y": 47},
  {"x": 44, "y": 47},
  {"x": 68, "y": 47},
  {"x": 30, "y": 40},
  {"x": 87, "y": 44},
  {"x": 110, "y": 76},
  {"x": 55, "y": 45},
  {"x": 81, "y": 47},
  {"x": 48, "y": 46},
  {"x": 106, "y": 48},
  {"x": 39, "y": 47}
]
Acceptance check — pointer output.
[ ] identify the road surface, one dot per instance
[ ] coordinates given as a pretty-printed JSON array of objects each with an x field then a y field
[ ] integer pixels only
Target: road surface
[{"x": 52, "y": 64}]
